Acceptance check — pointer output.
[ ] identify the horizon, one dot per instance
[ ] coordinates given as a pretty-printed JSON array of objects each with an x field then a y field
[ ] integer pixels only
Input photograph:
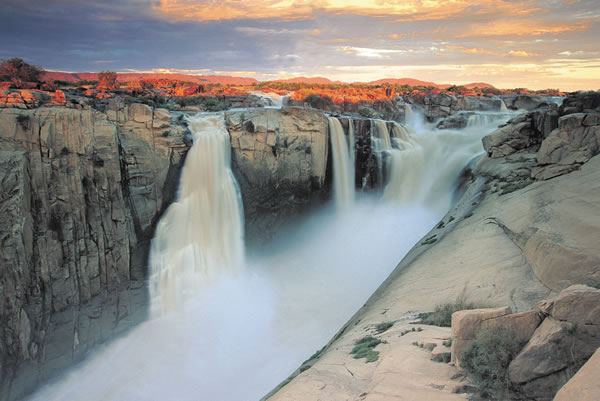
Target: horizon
[{"x": 508, "y": 44}]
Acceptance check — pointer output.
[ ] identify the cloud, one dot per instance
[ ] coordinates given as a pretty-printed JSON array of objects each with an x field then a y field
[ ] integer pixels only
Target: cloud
[
  {"x": 520, "y": 53},
  {"x": 366, "y": 52},
  {"x": 406, "y": 10},
  {"x": 519, "y": 27}
]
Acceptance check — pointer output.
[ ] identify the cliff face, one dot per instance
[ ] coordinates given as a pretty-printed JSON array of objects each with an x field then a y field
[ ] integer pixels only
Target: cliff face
[
  {"x": 80, "y": 192},
  {"x": 279, "y": 158},
  {"x": 525, "y": 229}
]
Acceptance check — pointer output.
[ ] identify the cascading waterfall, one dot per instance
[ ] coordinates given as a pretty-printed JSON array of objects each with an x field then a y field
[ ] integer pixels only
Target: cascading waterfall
[
  {"x": 201, "y": 234},
  {"x": 382, "y": 140},
  {"x": 352, "y": 150},
  {"x": 485, "y": 119},
  {"x": 406, "y": 166},
  {"x": 253, "y": 321},
  {"x": 343, "y": 177}
]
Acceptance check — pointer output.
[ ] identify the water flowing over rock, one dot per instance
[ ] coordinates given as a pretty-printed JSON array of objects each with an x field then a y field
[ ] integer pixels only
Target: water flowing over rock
[
  {"x": 343, "y": 182},
  {"x": 201, "y": 234}
]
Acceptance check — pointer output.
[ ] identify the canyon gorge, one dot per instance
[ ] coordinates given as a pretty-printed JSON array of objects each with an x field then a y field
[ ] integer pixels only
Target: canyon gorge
[{"x": 214, "y": 252}]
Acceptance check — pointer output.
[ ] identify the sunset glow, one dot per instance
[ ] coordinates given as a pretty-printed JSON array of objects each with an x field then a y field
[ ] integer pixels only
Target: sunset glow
[{"x": 534, "y": 44}]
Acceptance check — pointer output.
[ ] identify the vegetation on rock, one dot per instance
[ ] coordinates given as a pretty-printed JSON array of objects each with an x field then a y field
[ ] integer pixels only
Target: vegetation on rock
[
  {"x": 18, "y": 71},
  {"x": 488, "y": 358},
  {"x": 363, "y": 348},
  {"x": 442, "y": 315},
  {"x": 108, "y": 80}
]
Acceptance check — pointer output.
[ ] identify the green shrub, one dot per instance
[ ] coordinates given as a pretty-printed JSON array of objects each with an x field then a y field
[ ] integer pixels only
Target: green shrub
[
  {"x": 209, "y": 103},
  {"x": 442, "y": 315},
  {"x": 382, "y": 327},
  {"x": 363, "y": 348},
  {"x": 488, "y": 358},
  {"x": 365, "y": 112}
]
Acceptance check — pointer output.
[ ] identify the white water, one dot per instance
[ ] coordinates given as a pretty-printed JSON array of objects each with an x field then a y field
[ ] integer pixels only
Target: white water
[
  {"x": 343, "y": 177},
  {"x": 484, "y": 119},
  {"x": 202, "y": 232},
  {"x": 240, "y": 330},
  {"x": 272, "y": 100}
]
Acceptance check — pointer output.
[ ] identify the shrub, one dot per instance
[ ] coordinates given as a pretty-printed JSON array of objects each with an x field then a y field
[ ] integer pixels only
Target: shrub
[
  {"x": 108, "y": 80},
  {"x": 365, "y": 112},
  {"x": 363, "y": 348},
  {"x": 488, "y": 358},
  {"x": 209, "y": 103},
  {"x": 318, "y": 102},
  {"x": 18, "y": 71},
  {"x": 442, "y": 315},
  {"x": 383, "y": 327}
]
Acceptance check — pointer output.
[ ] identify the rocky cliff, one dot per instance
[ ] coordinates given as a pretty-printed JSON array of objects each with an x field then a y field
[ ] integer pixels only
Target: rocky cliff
[
  {"x": 525, "y": 229},
  {"x": 81, "y": 190},
  {"x": 279, "y": 158}
]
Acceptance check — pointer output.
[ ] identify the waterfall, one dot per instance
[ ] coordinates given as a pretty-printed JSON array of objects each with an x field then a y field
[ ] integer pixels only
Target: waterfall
[
  {"x": 343, "y": 177},
  {"x": 267, "y": 314},
  {"x": 352, "y": 149},
  {"x": 485, "y": 119},
  {"x": 406, "y": 166},
  {"x": 503, "y": 106},
  {"x": 381, "y": 138},
  {"x": 201, "y": 234}
]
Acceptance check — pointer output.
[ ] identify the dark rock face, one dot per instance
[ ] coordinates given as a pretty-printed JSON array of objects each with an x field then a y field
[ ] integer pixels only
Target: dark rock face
[
  {"x": 525, "y": 102},
  {"x": 580, "y": 103},
  {"x": 517, "y": 135},
  {"x": 81, "y": 192},
  {"x": 279, "y": 158},
  {"x": 393, "y": 110},
  {"x": 563, "y": 138},
  {"x": 366, "y": 174},
  {"x": 566, "y": 339}
]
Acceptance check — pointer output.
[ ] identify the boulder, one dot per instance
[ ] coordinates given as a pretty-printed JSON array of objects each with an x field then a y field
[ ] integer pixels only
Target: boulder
[
  {"x": 528, "y": 102},
  {"x": 576, "y": 141},
  {"x": 140, "y": 113},
  {"x": 558, "y": 264},
  {"x": 455, "y": 121},
  {"x": 555, "y": 351},
  {"x": 581, "y": 102},
  {"x": 584, "y": 386},
  {"x": 517, "y": 135},
  {"x": 577, "y": 304},
  {"x": 545, "y": 121},
  {"x": 465, "y": 326}
]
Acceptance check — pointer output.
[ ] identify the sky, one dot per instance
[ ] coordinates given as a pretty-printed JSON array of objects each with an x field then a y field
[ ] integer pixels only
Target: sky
[{"x": 508, "y": 43}]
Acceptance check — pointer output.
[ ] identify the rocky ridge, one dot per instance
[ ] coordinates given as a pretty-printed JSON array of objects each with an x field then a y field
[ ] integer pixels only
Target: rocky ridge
[
  {"x": 81, "y": 192},
  {"x": 88, "y": 187},
  {"x": 512, "y": 225}
]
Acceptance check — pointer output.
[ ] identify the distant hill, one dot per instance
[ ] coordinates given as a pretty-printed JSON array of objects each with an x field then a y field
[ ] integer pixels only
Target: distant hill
[
  {"x": 479, "y": 85},
  {"x": 225, "y": 79},
  {"x": 127, "y": 77},
  {"x": 407, "y": 81},
  {"x": 309, "y": 80}
]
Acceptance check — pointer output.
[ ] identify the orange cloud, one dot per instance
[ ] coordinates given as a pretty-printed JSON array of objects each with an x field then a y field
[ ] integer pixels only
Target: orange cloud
[
  {"x": 210, "y": 10},
  {"x": 520, "y": 53},
  {"x": 518, "y": 28},
  {"x": 471, "y": 50}
]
